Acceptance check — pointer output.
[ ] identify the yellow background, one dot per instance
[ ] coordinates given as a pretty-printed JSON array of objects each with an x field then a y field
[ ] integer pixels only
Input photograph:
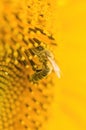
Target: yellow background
[{"x": 70, "y": 96}]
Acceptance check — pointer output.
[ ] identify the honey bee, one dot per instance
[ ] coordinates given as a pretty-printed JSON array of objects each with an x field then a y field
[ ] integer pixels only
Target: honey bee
[{"x": 46, "y": 58}]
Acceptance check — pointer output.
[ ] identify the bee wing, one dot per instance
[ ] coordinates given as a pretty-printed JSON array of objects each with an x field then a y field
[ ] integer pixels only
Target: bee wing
[{"x": 55, "y": 67}]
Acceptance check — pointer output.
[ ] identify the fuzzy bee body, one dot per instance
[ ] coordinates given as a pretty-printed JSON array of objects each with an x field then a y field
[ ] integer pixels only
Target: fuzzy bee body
[{"x": 40, "y": 74}]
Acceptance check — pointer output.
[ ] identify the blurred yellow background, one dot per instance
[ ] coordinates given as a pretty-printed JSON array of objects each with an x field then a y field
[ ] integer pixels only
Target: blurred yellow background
[{"x": 70, "y": 95}]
